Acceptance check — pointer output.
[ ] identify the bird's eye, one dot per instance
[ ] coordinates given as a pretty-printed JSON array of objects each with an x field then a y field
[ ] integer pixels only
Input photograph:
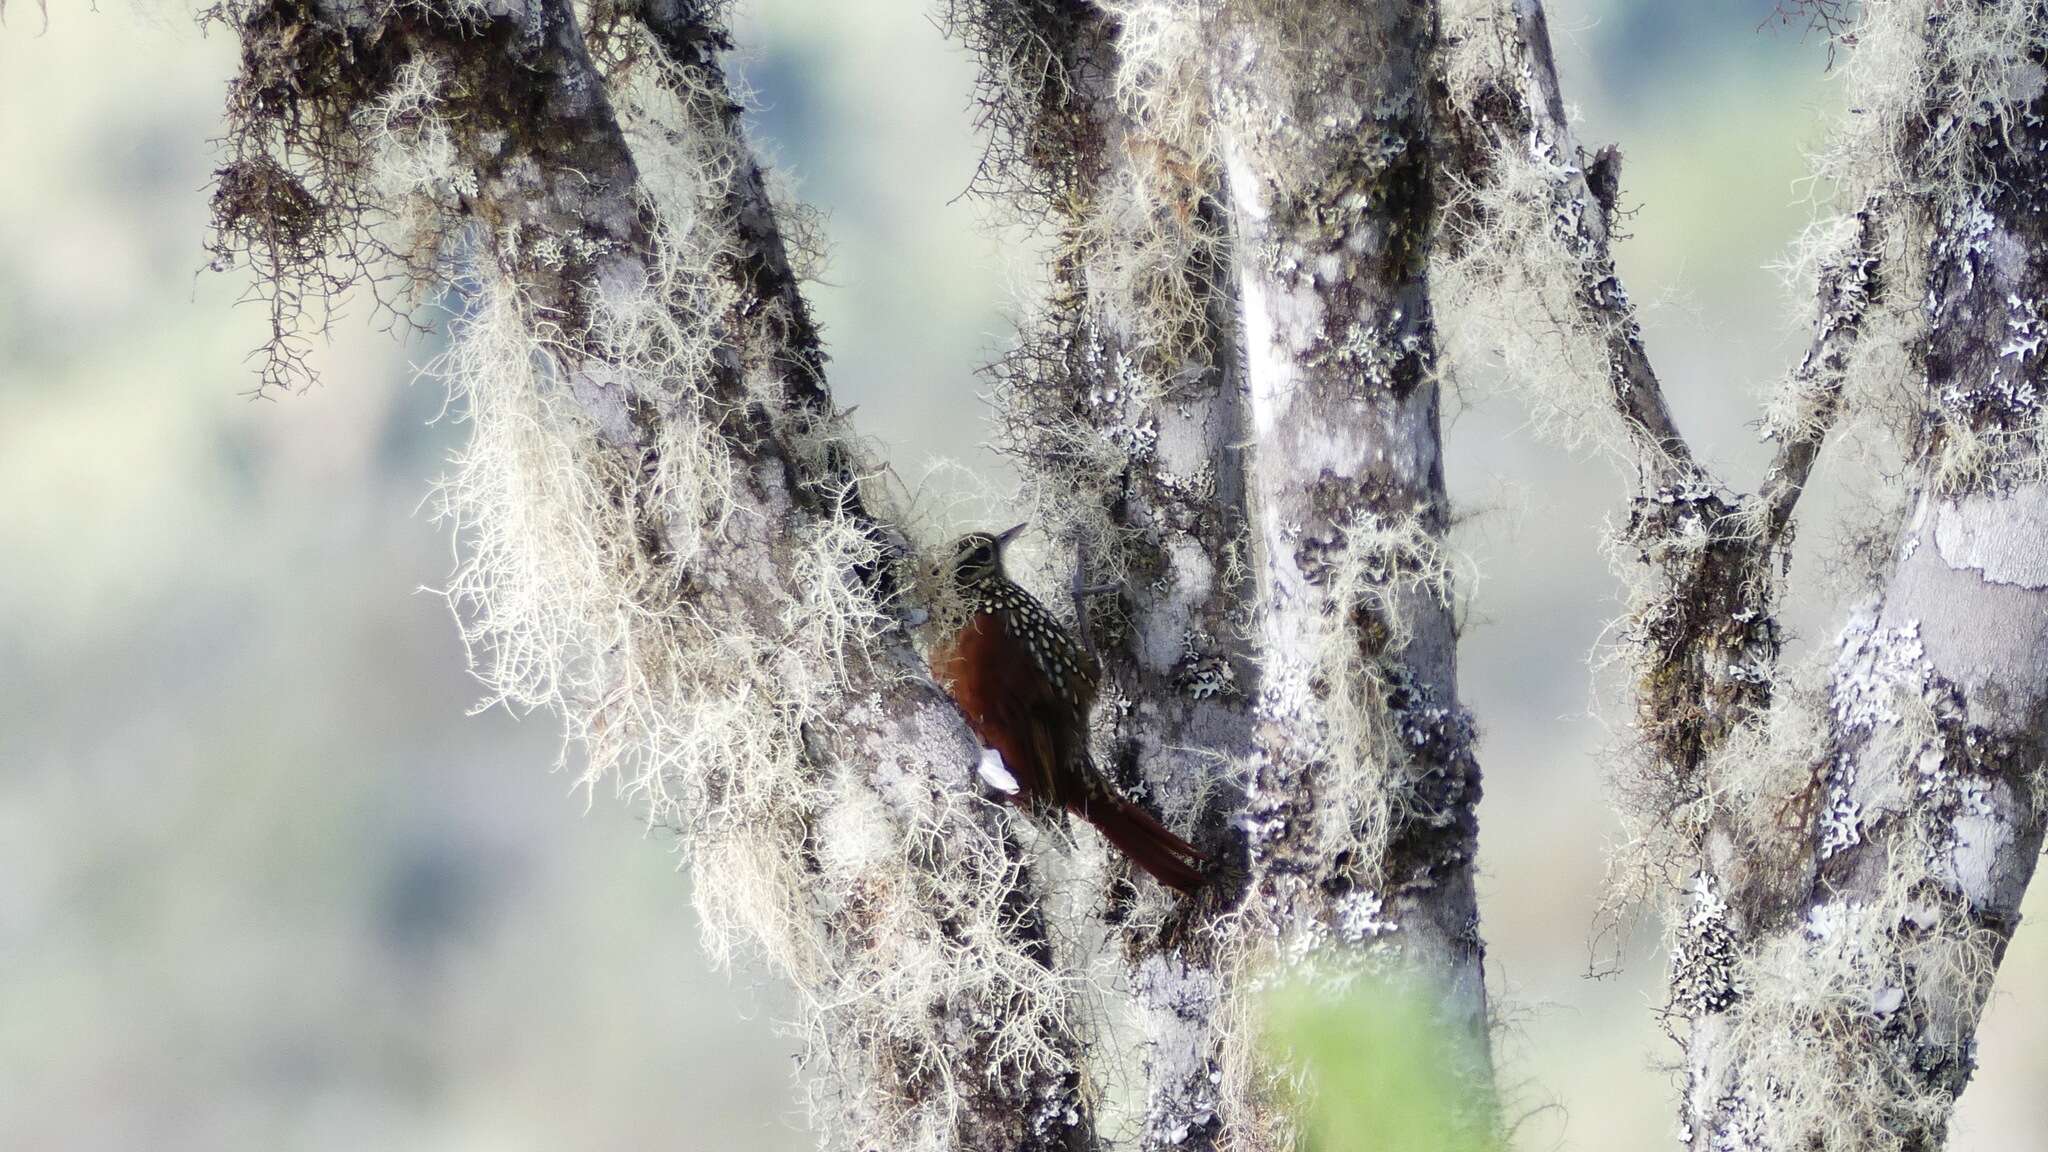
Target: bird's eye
[{"x": 982, "y": 554}]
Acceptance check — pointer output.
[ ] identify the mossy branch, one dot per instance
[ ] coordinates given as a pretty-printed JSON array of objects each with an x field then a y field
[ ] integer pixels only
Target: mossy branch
[
  {"x": 1123, "y": 402},
  {"x": 1841, "y": 860},
  {"x": 665, "y": 535}
]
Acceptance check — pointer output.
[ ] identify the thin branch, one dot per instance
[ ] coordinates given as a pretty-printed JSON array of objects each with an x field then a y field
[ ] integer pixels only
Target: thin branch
[
  {"x": 1848, "y": 286},
  {"x": 1588, "y": 204}
]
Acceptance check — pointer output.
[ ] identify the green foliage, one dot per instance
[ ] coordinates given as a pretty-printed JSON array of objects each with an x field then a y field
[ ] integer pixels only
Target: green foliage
[{"x": 1375, "y": 1069}]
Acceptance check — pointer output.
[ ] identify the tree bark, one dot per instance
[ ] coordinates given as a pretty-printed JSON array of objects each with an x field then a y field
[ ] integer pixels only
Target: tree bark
[
  {"x": 925, "y": 968},
  {"x": 1361, "y": 815},
  {"x": 1131, "y": 401},
  {"x": 1122, "y": 402},
  {"x": 1829, "y": 972},
  {"x": 1852, "y": 1018}
]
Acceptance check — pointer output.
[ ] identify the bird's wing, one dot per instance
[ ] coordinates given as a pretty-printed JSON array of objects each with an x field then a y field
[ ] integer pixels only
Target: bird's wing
[{"x": 1008, "y": 703}]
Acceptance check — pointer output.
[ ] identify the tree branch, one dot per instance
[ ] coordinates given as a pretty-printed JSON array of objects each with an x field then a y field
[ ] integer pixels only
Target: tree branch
[
  {"x": 1638, "y": 397},
  {"x": 1524, "y": 193},
  {"x": 1848, "y": 287},
  {"x": 1855, "y": 861},
  {"x": 667, "y": 541},
  {"x": 1124, "y": 403}
]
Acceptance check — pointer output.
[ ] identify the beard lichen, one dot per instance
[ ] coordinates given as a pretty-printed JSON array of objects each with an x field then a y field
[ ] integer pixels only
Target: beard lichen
[
  {"x": 1941, "y": 100},
  {"x": 1826, "y": 958},
  {"x": 1344, "y": 688},
  {"x": 654, "y": 541}
]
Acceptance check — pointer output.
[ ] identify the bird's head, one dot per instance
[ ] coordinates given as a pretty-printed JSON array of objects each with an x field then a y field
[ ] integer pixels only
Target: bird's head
[{"x": 978, "y": 556}]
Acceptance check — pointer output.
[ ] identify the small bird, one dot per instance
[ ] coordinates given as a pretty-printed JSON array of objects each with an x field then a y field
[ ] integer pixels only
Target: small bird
[{"x": 1027, "y": 688}]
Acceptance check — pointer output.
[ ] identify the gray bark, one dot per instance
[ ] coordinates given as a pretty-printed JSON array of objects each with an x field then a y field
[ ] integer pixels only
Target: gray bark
[
  {"x": 1829, "y": 982},
  {"x": 1324, "y": 131},
  {"x": 553, "y": 199},
  {"x": 1931, "y": 818}
]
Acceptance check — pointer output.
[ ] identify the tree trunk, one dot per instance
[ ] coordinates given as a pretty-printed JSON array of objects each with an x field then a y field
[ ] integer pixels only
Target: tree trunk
[
  {"x": 1124, "y": 403},
  {"x": 1361, "y": 811},
  {"x": 1854, "y": 1005},
  {"x": 667, "y": 541},
  {"x": 1852, "y": 859}
]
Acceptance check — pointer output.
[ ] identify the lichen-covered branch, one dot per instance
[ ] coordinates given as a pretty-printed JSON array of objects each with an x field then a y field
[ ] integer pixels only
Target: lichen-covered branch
[
  {"x": 1853, "y": 997},
  {"x": 1529, "y": 278},
  {"x": 1848, "y": 288},
  {"x": 1123, "y": 402},
  {"x": 1528, "y": 222},
  {"x": 1850, "y": 855},
  {"x": 1120, "y": 395},
  {"x": 1361, "y": 811},
  {"x": 1530, "y": 232},
  {"x": 663, "y": 532}
]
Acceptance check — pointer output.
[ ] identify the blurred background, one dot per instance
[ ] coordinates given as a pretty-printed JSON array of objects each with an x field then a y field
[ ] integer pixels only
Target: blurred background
[{"x": 266, "y": 883}]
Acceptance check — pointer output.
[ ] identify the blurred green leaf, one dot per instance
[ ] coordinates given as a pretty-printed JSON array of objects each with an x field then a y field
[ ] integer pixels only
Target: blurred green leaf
[{"x": 1375, "y": 1069}]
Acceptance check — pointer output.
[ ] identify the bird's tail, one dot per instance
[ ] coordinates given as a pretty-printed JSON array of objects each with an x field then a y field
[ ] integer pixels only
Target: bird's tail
[{"x": 1151, "y": 845}]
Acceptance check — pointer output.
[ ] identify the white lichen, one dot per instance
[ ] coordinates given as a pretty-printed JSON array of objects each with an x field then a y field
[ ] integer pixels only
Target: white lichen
[
  {"x": 1927, "y": 85},
  {"x": 1511, "y": 294},
  {"x": 713, "y": 654},
  {"x": 1331, "y": 689},
  {"x": 1921, "y": 79},
  {"x": 1704, "y": 951}
]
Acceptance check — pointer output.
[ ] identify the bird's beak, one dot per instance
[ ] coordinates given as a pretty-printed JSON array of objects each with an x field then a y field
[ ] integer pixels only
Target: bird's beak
[{"x": 1009, "y": 534}]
